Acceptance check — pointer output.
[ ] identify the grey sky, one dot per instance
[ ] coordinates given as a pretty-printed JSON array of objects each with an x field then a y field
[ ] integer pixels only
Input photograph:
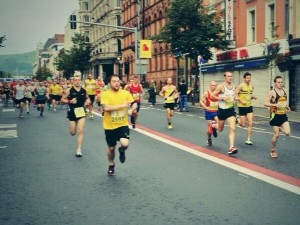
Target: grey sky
[{"x": 28, "y": 22}]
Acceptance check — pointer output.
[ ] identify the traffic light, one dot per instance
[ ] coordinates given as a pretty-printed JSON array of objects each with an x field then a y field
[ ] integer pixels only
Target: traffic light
[{"x": 73, "y": 22}]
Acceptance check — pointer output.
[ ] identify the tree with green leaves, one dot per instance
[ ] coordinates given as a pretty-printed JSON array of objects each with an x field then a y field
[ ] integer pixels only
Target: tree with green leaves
[
  {"x": 193, "y": 29},
  {"x": 78, "y": 58},
  {"x": 43, "y": 73},
  {"x": 2, "y": 39}
]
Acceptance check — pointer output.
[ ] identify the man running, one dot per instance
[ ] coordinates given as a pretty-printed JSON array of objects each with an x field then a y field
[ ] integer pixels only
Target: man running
[
  {"x": 29, "y": 95},
  {"x": 169, "y": 93},
  {"x": 277, "y": 101},
  {"x": 137, "y": 91},
  {"x": 226, "y": 112},
  {"x": 115, "y": 103},
  {"x": 55, "y": 91},
  {"x": 90, "y": 87},
  {"x": 19, "y": 96},
  {"x": 76, "y": 97},
  {"x": 40, "y": 93},
  {"x": 244, "y": 95},
  {"x": 211, "y": 108}
]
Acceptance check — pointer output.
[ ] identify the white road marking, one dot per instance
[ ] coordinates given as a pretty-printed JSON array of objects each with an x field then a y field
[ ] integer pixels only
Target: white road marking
[
  {"x": 243, "y": 170},
  {"x": 1, "y": 147},
  {"x": 8, "y": 134},
  {"x": 7, "y": 126},
  {"x": 8, "y": 110}
]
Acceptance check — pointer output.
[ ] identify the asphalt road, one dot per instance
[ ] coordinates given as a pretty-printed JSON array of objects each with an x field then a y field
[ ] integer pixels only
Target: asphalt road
[{"x": 43, "y": 183}]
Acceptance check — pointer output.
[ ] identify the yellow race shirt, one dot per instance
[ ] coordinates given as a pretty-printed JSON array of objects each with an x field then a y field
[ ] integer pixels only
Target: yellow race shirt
[
  {"x": 117, "y": 118},
  {"x": 245, "y": 95},
  {"x": 55, "y": 89},
  {"x": 169, "y": 94},
  {"x": 90, "y": 86}
]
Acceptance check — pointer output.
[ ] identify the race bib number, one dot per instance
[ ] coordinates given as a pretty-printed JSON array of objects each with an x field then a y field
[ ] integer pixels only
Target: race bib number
[
  {"x": 79, "y": 112},
  {"x": 213, "y": 105},
  {"x": 136, "y": 96},
  {"x": 118, "y": 116}
]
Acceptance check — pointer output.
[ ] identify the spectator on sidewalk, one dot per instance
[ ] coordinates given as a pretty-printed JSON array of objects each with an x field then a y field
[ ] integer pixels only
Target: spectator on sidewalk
[{"x": 183, "y": 88}]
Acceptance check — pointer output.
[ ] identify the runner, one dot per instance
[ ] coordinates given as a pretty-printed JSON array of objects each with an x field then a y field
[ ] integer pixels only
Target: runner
[
  {"x": 169, "y": 92},
  {"x": 137, "y": 91},
  {"x": 244, "y": 95},
  {"x": 90, "y": 87},
  {"x": 19, "y": 96},
  {"x": 226, "y": 112},
  {"x": 115, "y": 103},
  {"x": 55, "y": 93},
  {"x": 6, "y": 92},
  {"x": 76, "y": 97},
  {"x": 40, "y": 93},
  {"x": 211, "y": 108},
  {"x": 29, "y": 95},
  {"x": 100, "y": 86},
  {"x": 277, "y": 101}
]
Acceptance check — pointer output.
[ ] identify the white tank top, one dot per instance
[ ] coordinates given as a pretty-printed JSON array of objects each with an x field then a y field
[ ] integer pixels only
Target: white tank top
[
  {"x": 228, "y": 97},
  {"x": 20, "y": 92}
]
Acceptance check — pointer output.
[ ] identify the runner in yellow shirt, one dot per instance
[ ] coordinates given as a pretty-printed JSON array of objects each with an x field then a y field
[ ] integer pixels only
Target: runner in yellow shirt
[
  {"x": 115, "y": 103},
  {"x": 244, "y": 95},
  {"x": 55, "y": 92},
  {"x": 90, "y": 87},
  {"x": 169, "y": 92}
]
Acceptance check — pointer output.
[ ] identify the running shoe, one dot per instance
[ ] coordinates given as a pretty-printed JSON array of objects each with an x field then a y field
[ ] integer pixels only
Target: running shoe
[
  {"x": 78, "y": 153},
  {"x": 111, "y": 170},
  {"x": 41, "y": 114},
  {"x": 122, "y": 155},
  {"x": 214, "y": 130},
  {"x": 91, "y": 115},
  {"x": 54, "y": 109},
  {"x": 232, "y": 150},
  {"x": 27, "y": 112},
  {"x": 133, "y": 126},
  {"x": 248, "y": 142},
  {"x": 209, "y": 142},
  {"x": 21, "y": 116},
  {"x": 170, "y": 126}
]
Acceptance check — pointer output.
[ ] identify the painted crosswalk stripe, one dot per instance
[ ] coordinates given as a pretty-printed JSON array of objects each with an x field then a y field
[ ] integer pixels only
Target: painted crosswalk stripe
[
  {"x": 8, "y": 134},
  {"x": 5, "y": 126}
]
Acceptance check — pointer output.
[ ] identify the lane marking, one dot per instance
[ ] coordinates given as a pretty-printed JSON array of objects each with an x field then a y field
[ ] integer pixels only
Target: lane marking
[
  {"x": 8, "y": 134},
  {"x": 1, "y": 147},
  {"x": 7, "y": 126},
  {"x": 8, "y": 110},
  {"x": 280, "y": 180}
]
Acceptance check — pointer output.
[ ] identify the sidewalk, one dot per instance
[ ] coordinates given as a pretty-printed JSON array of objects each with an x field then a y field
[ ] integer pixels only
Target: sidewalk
[{"x": 258, "y": 111}]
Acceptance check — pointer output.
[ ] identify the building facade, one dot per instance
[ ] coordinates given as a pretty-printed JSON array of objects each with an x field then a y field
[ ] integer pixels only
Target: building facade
[
  {"x": 149, "y": 17},
  {"x": 259, "y": 31},
  {"x": 106, "y": 41},
  {"x": 48, "y": 54}
]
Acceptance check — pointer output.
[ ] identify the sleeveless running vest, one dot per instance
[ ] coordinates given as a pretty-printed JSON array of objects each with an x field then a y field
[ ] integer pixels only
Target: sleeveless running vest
[
  {"x": 282, "y": 101},
  {"x": 228, "y": 97},
  {"x": 211, "y": 103},
  {"x": 245, "y": 95}
]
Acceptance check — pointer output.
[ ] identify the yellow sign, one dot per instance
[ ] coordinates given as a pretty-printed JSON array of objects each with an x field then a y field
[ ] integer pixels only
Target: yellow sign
[{"x": 145, "y": 49}]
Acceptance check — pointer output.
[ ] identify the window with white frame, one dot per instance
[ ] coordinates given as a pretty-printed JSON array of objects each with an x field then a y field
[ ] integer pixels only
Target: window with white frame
[
  {"x": 270, "y": 22},
  {"x": 251, "y": 26},
  {"x": 85, "y": 6},
  {"x": 118, "y": 3}
]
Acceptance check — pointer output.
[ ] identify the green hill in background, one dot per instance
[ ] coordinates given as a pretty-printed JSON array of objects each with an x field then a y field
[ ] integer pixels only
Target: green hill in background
[{"x": 17, "y": 64}]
